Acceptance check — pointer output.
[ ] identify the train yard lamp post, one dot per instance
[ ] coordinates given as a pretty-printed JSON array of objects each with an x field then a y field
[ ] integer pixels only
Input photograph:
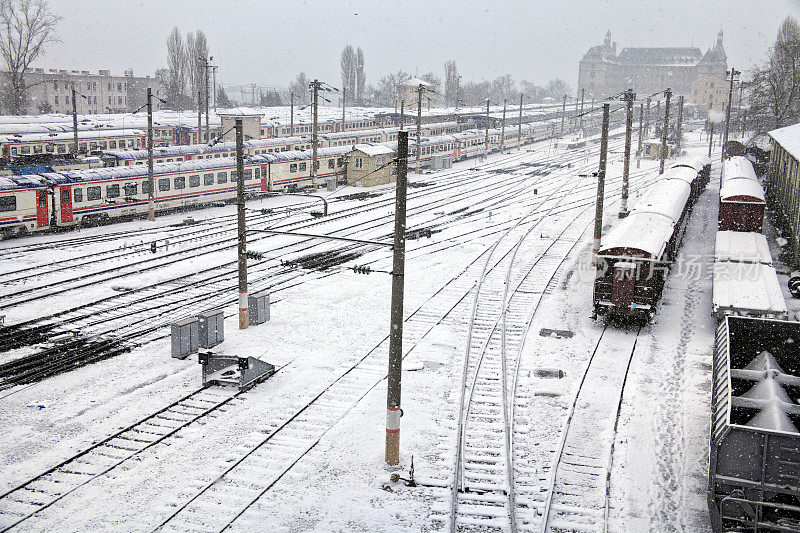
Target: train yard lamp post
[
  {"x": 732, "y": 73},
  {"x": 664, "y": 130},
  {"x": 244, "y": 312},
  {"x": 629, "y": 97},
  {"x": 394, "y": 378}
]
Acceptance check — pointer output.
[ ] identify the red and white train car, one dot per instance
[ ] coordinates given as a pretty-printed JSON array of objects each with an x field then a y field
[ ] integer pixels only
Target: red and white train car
[{"x": 741, "y": 197}]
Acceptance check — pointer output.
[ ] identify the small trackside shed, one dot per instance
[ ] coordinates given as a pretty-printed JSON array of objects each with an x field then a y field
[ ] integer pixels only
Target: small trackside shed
[
  {"x": 370, "y": 164},
  {"x": 783, "y": 192}
]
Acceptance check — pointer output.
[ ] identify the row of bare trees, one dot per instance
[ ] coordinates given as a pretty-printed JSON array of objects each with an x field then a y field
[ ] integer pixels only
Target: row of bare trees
[
  {"x": 183, "y": 81},
  {"x": 774, "y": 93}
]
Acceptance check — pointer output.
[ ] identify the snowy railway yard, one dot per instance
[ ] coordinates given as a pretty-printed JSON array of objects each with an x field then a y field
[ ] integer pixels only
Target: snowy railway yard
[{"x": 538, "y": 418}]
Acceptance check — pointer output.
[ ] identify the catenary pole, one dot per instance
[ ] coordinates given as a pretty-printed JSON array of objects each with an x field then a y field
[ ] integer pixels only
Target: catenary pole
[
  {"x": 199, "y": 116},
  {"x": 639, "y": 148},
  {"x": 402, "y": 114},
  {"x": 711, "y": 140},
  {"x": 630, "y": 96},
  {"x": 733, "y": 72},
  {"x": 315, "y": 85},
  {"x": 486, "y": 140},
  {"x": 503, "y": 128},
  {"x": 394, "y": 378},
  {"x": 664, "y": 131},
  {"x": 420, "y": 88},
  {"x": 75, "y": 120},
  {"x": 583, "y": 94},
  {"x": 151, "y": 193},
  {"x": 601, "y": 177},
  {"x": 205, "y": 98},
  {"x": 563, "y": 113},
  {"x": 291, "y": 116},
  {"x": 344, "y": 104},
  {"x": 647, "y": 120},
  {"x": 244, "y": 312},
  {"x": 679, "y": 127},
  {"x": 519, "y": 128}
]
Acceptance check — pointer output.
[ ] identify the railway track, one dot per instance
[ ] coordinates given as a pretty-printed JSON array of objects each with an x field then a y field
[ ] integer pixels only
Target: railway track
[{"x": 577, "y": 495}]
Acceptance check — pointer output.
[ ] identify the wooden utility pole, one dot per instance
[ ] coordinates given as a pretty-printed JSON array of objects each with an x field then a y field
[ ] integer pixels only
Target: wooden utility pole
[
  {"x": 503, "y": 128},
  {"x": 151, "y": 194},
  {"x": 630, "y": 96},
  {"x": 75, "y": 120},
  {"x": 214, "y": 85},
  {"x": 315, "y": 87},
  {"x": 244, "y": 312},
  {"x": 206, "y": 95},
  {"x": 679, "y": 127},
  {"x": 732, "y": 73},
  {"x": 419, "y": 124},
  {"x": 199, "y": 116},
  {"x": 583, "y": 94},
  {"x": 486, "y": 140},
  {"x": 402, "y": 114},
  {"x": 664, "y": 131},
  {"x": 601, "y": 178},
  {"x": 563, "y": 113},
  {"x": 519, "y": 130},
  {"x": 344, "y": 104},
  {"x": 658, "y": 116},
  {"x": 394, "y": 378},
  {"x": 639, "y": 148},
  {"x": 647, "y": 120},
  {"x": 291, "y": 116},
  {"x": 574, "y": 120}
]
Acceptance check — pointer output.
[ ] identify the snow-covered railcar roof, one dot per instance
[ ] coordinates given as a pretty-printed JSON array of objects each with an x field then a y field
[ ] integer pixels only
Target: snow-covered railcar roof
[
  {"x": 742, "y": 246},
  {"x": 737, "y": 167},
  {"x": 82, "y": 135},
  {"x": 373, "y": 149},
  {"x": 646, "y": 232},
  {"x": 28, "y": 181},
  {"x": 291, "y": 155},
  {"x": 744, "y": 187},
  {"x": 112, "y": 173},
  {"x": 684, "y": 173},
  {"x": 691, "y": 162},
  {"x": 747, "y": 289},
  {"x": 666, "y": 197}
]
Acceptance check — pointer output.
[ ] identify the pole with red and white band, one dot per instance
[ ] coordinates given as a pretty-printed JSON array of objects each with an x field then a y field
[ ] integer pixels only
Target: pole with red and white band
[
  {"x": 244, "y": 315},
  {"x": 393, "y": 411},
  {"x": 601, "y": 177}
]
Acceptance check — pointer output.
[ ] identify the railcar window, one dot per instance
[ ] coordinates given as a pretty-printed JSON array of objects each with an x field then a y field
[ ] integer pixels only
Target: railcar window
[
  {"x": 222, "y": 177},
  {"x": 233, "y": 176},
  {"x": 92, "y": 193},
  {"x": 131, "y": 189},
  {"x": 77, "y": 196},
  {"x": 102, "y": 145},
  {"x": 194, "y": 181},
  {"x": 163, "y": 184},
  {"x": 258, "y": 173},
  {"x": 303, "y": 166},
  {"x": 340, "y": 162},
  {"x": 208, "y": 179},
  {"x": 293, "y": 167},
  {"x": 248, "y": 174},
  {"x": 65, "y": 196},
  {"x": 50, "y": 148},
  {"x": 13, "y": 151},
  {"x": 145, "y": 187},
  {"x": 331, "y": 163},
  {"x": 8, "y": 203},
  {"x": 180, "y": 182},
  {"x": 112, "y": 191},
  {"x": 25, "y": 149},
  {"x": 82, "y": 147},
  {"x": 37, "y": 148}
]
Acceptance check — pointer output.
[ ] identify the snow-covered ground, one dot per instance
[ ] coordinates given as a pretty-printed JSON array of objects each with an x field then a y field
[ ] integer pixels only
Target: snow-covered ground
[{"x": 328, "y": 335}]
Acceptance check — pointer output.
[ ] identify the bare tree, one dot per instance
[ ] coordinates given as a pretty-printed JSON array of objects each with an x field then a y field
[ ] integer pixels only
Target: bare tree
[
  {"x": 450, "y": 83},
  {"x": 432, "y": 95},
  {"x": 176, "y": 65},
  {"x": 557, "y": 89},
  {"x": 386, "y": 91},
  {"x": 360, "y": 77},
  {"x": 775, "y": 90},
  {"x": 27, "y": 27},
  {"x": 348, "y": 66}
]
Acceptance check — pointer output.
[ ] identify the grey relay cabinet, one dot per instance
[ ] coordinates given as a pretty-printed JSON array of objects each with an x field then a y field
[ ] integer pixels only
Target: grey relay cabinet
[
  {"x": 185, "y": 339},
  {"x": 211, "y": 328},
  {"x": 258, "y": 305}
]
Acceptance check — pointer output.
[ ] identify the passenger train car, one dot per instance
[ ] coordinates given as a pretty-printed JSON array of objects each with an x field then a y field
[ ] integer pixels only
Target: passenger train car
[
  {"x": 63, "y": 199},
  {"x": 21, "y": 146},
  {"x": 634, "y": 257}
]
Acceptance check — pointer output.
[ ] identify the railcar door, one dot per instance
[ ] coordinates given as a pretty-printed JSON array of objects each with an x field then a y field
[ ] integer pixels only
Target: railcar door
[
  {"x": 264, "y": 178},
  {"x": 66, "y": 204},
  {"x": 7, "y": 151},
  {"x": 42, "y": 218},
  {"x": 622, "y": 287}
]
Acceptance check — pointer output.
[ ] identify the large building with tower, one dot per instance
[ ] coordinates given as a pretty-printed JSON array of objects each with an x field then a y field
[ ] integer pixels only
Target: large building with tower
[{"x": 604, "y": 72}]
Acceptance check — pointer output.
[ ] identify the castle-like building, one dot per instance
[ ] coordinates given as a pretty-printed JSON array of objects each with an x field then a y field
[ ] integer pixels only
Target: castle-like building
[{"x": 687, "y": 71}]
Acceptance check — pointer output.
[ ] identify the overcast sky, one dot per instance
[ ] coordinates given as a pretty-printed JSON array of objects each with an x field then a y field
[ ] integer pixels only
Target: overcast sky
[{"x": 269, "y": 42}]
